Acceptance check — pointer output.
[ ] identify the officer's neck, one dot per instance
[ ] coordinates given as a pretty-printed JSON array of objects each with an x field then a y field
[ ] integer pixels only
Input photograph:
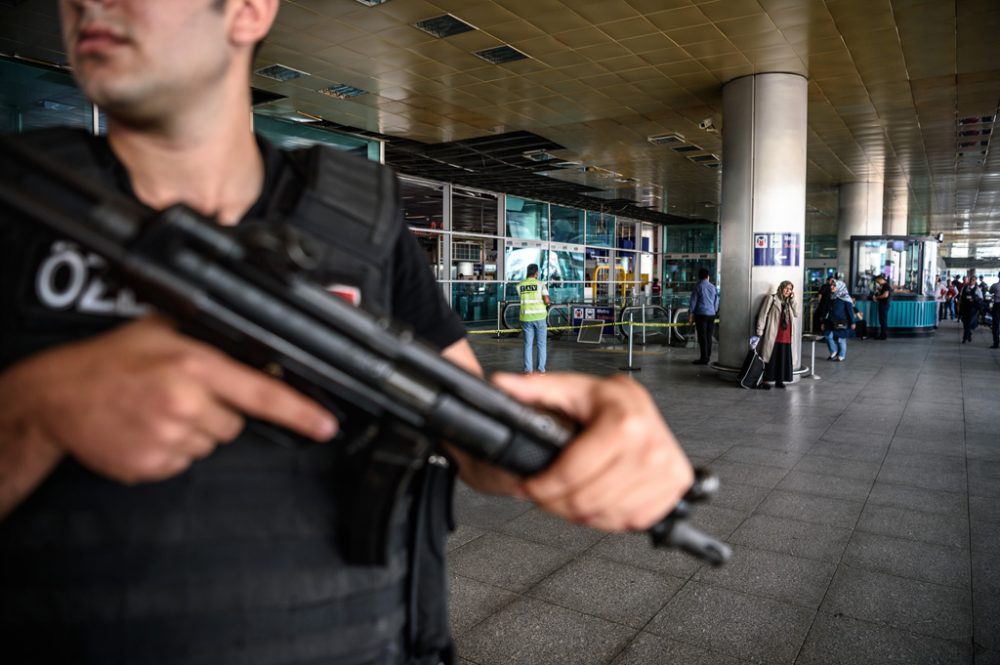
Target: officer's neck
[{"x": 207, "y": 158}]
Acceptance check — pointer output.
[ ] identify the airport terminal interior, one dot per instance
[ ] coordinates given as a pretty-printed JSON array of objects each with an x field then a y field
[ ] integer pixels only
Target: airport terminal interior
[{"x": 623, "y": 146}]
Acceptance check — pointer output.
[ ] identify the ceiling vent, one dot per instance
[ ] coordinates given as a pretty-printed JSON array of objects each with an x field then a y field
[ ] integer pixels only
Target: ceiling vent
[
  {"x": 372, "y": 3},
  {"x": 342, "y": 91},
  {"x": 538, "y": 155},
  {"x": 666, "y": 139},
  {"x": 501, "y": 54},
  {"x": 709, "y": 160},
  {"x": 278, "y": 72},
  {"x": 445, "y": 25},
  {"x": 686, "y": 148}
]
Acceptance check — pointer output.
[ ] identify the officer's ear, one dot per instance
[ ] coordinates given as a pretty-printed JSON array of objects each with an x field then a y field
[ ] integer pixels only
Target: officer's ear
[{"x": 250, "y": 21}]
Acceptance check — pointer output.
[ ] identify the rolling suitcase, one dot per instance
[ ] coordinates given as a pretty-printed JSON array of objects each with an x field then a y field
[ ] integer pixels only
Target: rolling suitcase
[{"x": 752, "y": 370}]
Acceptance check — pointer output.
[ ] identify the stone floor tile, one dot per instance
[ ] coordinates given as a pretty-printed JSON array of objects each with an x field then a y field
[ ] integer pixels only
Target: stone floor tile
[
  {"x": 921, "y": 500},
  {"x": 897, "y": 602},
  {"x": 470, "y": 602},
  {"x": 550, "y": 530},
  {"x": 507, "y": 562},
  {"x": 823, "y": 485},
  {"x": 734, "y": 624},
  {"x": 948, "y": 566},
  {"x": 530, "y": 632},
  {"x": 947, "y": 530},
  {"x": 463, "y": 534},
  {"x": 648, "y": 649},
  {"x": 838, "y": 467},
  {"x": 800, "y": 539},
  {"x": 780, "y": 577},
  {"x": 762, "y": 456},
  {"x": 801, "y": 507},
  {"x": 842, "y": 640},
  {"x": 608, "y": 589},
  {"x": 636, "y": 549}
]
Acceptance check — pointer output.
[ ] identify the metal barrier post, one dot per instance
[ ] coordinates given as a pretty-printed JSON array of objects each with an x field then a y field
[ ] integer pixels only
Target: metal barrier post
[
  {"x": 812, "y": 362},
  {"x": 500, "y": 306},
  {"x": 631, "y": 336},
  {"x": 643, "y": 322}
]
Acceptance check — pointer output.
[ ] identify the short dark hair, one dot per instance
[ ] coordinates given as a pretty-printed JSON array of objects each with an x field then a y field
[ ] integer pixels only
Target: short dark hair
[
  {"x": 532, "y": 269},
  {"x": 703, "y": 273}
]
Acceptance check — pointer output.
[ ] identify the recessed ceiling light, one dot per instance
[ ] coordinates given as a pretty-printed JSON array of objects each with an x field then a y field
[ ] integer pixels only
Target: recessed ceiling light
[
  {"x": 372, "y": 3},
  {"x": 501, "y": 55},
  {"x": 666, "y": 139},
  {"x": 279, "y": 72},
  {"x": 342, "y": 91},
  {"x": 445, "y": 25}
]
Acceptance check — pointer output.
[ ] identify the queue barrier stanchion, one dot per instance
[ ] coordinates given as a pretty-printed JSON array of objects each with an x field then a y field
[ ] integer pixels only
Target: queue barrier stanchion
[
  {"x": 812, "y": 360},
  {"x": 631, "y": 336}
]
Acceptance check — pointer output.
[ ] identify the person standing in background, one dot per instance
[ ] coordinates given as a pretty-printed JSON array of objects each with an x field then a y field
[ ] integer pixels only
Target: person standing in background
[
  {"x": 777, "y": 326},
  {"x": 995, "y": 295},
  {"x": 534, "y": 310},
  {"x": 970, "y": 302},
  {"x": 839, "y": 322},
  {"x": 701, "y": 312},
  {"x": 883, "y": 293}
]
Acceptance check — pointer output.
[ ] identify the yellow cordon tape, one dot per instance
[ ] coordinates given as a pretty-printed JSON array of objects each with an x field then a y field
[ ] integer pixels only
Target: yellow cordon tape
[{"x": 594, "y": 325}]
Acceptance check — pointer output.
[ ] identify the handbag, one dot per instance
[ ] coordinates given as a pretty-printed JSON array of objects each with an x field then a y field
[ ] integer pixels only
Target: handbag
[{"x": 839, "y": 324}]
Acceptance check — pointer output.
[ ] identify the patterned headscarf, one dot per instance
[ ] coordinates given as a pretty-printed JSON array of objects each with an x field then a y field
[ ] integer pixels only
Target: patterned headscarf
[{"x": 840, "y": 291}]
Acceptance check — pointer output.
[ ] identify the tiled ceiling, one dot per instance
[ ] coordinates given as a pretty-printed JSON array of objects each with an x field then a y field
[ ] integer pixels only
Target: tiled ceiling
[{"x": 889, "y": 84}]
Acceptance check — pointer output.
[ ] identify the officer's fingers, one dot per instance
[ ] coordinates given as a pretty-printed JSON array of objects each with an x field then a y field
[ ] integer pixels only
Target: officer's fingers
[
  {"x": 570, "y": 394},
  {"x": 616, "y": 430},
  {"x": 219, "y": 422},
  {"x": 258, "y": 395}
]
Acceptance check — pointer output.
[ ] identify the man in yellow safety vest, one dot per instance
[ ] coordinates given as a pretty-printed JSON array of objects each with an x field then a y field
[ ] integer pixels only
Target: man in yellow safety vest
[{"x": 534, "y": 304}]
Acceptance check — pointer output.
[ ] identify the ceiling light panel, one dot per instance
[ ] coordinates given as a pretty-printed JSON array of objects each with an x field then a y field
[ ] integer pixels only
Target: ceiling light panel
[
  {"x": 501, "y": 55},
  {"x": 279, "y": 72},
  {"x": 445, "y": 25}
]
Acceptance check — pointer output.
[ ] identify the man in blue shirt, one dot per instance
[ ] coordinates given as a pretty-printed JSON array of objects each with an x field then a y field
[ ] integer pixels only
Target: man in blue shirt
[{"x": 702, "y": 311}]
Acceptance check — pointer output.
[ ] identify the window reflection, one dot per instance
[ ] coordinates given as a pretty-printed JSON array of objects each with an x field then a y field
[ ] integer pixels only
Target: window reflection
[
  {"x": 473, "y": 257},
  {"x": 567, "y": 224},
  {"x": 527, "y": 219},
  {"x": 33, "y": 97},
  {"x": 600, "y": 228},
  {"x": 473, "y": 212},
  {"x": 423, "y": 203}
]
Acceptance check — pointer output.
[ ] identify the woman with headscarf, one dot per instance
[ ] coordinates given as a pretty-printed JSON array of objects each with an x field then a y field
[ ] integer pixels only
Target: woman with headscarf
[
  {"x": 777, "y": 326},
  {"x": 839, "y": 322}
]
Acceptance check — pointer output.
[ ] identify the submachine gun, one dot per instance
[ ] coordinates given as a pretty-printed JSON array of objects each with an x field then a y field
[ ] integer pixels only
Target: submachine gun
[{"x": 243, "y": 292}]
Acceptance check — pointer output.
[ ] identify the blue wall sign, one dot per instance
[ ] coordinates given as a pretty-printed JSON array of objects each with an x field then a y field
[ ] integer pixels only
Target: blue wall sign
[{"x": 776, "y": 249}]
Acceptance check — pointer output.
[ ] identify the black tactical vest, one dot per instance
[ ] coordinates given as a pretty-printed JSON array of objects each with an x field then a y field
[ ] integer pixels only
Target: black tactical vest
[{"x": 241, "y": 558}]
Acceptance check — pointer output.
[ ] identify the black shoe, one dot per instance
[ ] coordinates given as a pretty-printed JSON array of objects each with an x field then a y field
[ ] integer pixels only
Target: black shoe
[
  {"x": 699, "y": 362},
  {"x": 779, "y": 386},
  {"x": 763, "y": 386},
  {"x": 995, "y": 346}
]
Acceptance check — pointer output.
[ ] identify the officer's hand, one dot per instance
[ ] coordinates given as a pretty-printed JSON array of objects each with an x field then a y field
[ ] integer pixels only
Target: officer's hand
[
  {"x": 624, "y": 471},
  {"x": 143, "y": 402}
]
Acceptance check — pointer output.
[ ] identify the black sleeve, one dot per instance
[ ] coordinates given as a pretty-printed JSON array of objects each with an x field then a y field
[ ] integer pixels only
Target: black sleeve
[{"x": 417, "y": 299}]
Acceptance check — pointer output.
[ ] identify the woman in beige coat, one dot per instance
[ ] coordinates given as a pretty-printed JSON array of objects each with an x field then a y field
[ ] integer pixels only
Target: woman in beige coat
[{"x": 777, "y": 327}]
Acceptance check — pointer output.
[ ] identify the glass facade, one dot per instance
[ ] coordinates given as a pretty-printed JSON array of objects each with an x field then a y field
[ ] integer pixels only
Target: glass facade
[
  {"x": 289, "y": 134},
  {"x": 907, "y": 262},
  {"x": 34, "y": 97},
  {"x": 477, "y": 243}
]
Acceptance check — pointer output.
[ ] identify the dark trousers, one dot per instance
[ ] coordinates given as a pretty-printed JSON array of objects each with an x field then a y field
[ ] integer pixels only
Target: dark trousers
[
  {"x": 996, "y": 324},
  {"x": 883, "y": 318},
  {"x": 942, "y": 310},
  {"x": 704, "y": 326},
  {"x": 969, "y": 322}
]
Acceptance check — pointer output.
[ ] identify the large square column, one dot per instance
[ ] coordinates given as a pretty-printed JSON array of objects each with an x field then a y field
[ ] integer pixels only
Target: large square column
[{"x": 763, "y": 202}]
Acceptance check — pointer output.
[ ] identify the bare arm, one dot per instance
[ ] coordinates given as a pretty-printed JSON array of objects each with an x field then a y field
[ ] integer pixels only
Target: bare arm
[{"x": 138, "y": 404}]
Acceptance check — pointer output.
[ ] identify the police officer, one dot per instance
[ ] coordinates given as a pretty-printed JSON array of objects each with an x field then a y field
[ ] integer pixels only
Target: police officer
[
  {"x": 534, "y": 310},
  {"x": 140, "y": 521}
]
